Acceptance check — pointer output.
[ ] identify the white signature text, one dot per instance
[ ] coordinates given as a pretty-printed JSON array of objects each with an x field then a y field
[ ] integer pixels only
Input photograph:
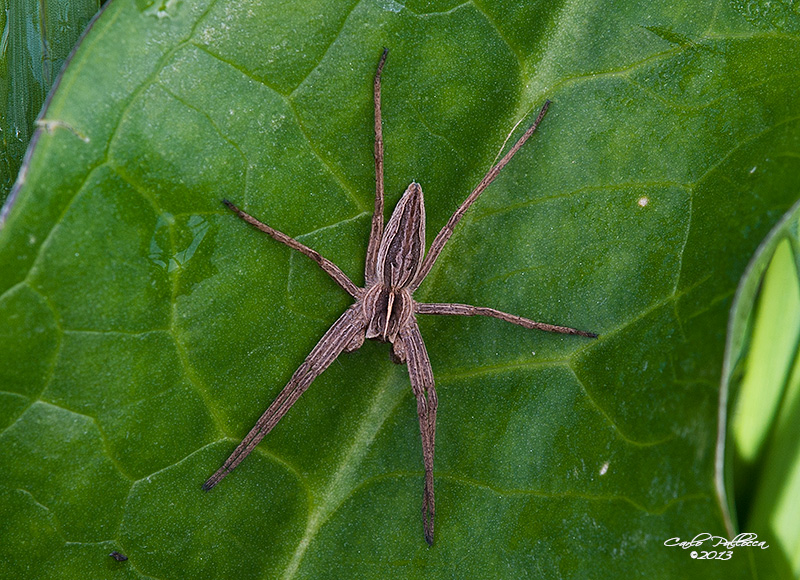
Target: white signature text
[{"x": 709, "y": 540}]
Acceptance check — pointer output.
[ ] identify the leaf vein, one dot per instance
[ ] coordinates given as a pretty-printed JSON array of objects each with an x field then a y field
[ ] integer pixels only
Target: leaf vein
[{"x": 519, "y": 58}]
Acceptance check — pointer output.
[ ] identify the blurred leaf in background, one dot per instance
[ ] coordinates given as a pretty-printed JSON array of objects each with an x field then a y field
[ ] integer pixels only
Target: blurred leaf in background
[
  {"x": 762, "y": 372},
  {"x": 37, "y": 37}
]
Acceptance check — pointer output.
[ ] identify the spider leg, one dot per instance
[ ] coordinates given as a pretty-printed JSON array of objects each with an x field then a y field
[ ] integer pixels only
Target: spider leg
[
  {"x": 441, "y": 238},
  {"x": 467, "y": 310},
  {"x": 338, "y": 337},
  {"x": 329, "y": 267},
  {"x": 376, "y": 233},
  {"x": 421, "y": 374}
]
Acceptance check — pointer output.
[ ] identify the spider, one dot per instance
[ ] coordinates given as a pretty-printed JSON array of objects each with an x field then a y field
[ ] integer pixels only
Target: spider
[{"x": 385, "y": 309}]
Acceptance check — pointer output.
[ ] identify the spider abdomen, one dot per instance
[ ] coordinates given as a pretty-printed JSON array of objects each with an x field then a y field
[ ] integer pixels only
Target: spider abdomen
[{"x": 403, "y": 242}]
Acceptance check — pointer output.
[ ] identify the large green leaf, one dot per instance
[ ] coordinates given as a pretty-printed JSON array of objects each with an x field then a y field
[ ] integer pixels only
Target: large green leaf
[{"x": 144, "y": 328}]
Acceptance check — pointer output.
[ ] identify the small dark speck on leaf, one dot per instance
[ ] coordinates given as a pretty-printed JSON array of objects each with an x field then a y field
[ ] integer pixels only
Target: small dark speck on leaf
[{"x": 118, "y": 556}]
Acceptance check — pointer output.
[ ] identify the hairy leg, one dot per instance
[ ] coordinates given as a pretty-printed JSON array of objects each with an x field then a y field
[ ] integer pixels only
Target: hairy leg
[
  {"x": 421, "y": 374},
  {"x": 467, "y": 310},
  {"x": 329, "y": 267},
  {"x": 441, "y": 238},
  {"x": 338, "y": 337},
  {"x": 376, "y": 233}
]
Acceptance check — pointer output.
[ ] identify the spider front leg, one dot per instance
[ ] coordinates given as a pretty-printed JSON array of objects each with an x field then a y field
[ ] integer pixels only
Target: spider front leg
[
  {"x": 444, "y": 234},
  {"x": 376, "y": 232}
]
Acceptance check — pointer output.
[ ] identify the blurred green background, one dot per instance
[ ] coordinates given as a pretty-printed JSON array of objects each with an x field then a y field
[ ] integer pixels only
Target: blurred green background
[
  {"x": 37, "y": 38},
  {"x": 762, "y": 371}
]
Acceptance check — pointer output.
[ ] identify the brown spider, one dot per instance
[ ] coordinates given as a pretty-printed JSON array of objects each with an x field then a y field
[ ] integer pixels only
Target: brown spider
[{"x": 385, "y": 309}]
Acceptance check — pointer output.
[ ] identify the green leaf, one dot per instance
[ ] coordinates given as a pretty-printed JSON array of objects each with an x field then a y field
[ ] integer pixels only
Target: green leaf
[
  {"x": 37, "y": 37},
  {"x": 761, "y": 381},
  {"x": 147, "y": 328}
]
